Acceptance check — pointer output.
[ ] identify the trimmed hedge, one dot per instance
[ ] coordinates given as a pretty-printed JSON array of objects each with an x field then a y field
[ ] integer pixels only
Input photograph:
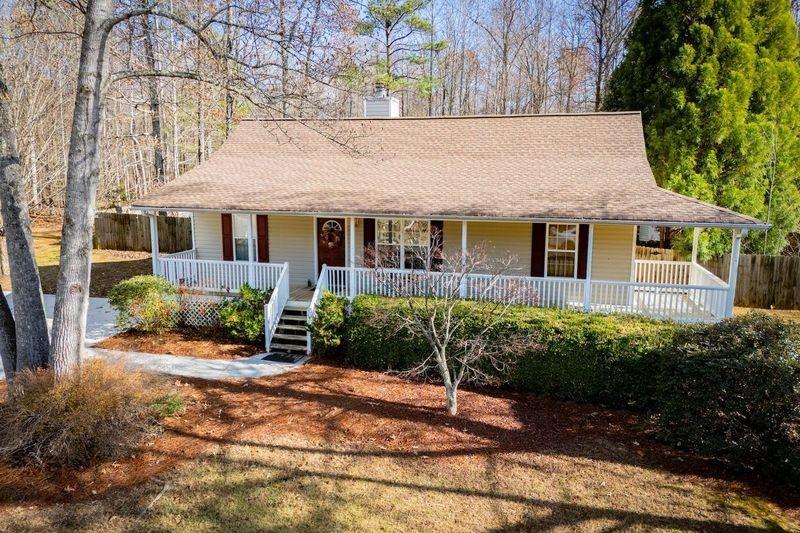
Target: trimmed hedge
[
  {"x": 575, "y": 356},
  {"x": 729, "y": 390},
  {"x": 241, "y": 316},
  {"x": 732, "y": 390},
  {"x": 328, "y": 329}
]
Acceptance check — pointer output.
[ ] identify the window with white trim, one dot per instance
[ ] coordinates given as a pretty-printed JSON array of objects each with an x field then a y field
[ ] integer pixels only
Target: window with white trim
[
  {"x": 241, "y": 232},
  {"x": 562, "y": 250},
  {"x": 397, "y": 238}
]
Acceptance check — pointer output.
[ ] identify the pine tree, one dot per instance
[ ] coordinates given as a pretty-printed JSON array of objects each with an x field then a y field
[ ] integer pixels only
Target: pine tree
[{"x": 718, "y": 85}]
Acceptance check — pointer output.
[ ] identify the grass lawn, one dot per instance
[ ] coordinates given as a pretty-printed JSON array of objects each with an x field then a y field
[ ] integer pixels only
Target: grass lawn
[
  {"x": 329, "y": 448},
  {"x": 109, "y": 267}
]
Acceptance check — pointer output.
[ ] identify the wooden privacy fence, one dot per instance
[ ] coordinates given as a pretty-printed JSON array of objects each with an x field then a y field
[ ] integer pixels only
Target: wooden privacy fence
[
  {"x": 763, "y": 280},
  {"x": 131, "y": 232}
]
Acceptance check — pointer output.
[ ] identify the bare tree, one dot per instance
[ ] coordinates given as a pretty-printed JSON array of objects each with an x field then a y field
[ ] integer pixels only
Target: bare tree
[
  {"x": 253, "y": 80},
  {"x": 610, "y": 22},
  {"x": 25, "y": 342},
  {"x": 458, "y": 333}
]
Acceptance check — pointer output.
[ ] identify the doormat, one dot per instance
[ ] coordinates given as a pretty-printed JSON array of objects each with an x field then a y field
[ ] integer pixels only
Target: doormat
[{"x": 280, "y": 358}]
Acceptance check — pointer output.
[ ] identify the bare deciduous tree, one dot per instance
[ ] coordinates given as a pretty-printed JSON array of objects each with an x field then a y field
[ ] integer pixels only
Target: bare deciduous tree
[
  {"x": 458, "y": 332},
  {"x": 25, "y": 343},
  {"x": 610, "y": 22}
]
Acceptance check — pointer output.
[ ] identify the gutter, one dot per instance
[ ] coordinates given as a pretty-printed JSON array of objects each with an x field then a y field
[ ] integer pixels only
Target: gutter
[{"x": 677, "y": 224}]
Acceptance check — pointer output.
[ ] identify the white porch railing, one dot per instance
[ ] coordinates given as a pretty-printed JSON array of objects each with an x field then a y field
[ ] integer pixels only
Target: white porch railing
[
  {"x": 319, "y": 290},
  {"x": 274, "y": 307},
  {"x": 674, "y": 273},
  {"x": 219, "y": 276},
  {"x": 680, "y": 302}
]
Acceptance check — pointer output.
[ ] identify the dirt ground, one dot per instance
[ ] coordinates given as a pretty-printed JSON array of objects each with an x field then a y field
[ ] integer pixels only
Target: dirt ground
[
  {"x": 202, "y": 343},
  {"x": 109, "y": 267},
  {"x": 325, "y": 447}
]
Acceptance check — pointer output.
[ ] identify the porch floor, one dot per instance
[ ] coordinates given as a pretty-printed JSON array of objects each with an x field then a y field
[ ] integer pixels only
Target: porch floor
[{"x": 301, "y": 293}]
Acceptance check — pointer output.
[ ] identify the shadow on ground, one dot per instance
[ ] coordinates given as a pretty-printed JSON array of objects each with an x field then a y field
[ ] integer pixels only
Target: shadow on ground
[{"x": 104, "y": 275}]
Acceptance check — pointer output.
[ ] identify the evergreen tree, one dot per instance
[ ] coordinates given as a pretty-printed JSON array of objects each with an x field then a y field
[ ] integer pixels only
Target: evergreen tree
[
  {"x": 718, "y": 85},
  {"x": 399, "y": 29}
]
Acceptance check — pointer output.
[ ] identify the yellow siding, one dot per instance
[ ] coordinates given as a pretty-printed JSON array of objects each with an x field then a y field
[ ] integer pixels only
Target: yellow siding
[
  {"x": 500, "y": 238},
  {"x": 612, "y": 256},
  {"x": 291, "y": 239},
  {"x": 208, "y": 235}
]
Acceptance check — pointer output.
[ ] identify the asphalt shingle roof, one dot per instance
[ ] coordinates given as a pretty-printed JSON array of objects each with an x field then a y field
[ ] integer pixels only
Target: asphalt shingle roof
[{"x": 590, "y": 167}]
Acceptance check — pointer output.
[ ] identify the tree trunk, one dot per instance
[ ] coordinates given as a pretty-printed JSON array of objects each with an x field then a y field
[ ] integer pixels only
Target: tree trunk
[
  {"x": 32, "y": 341},
  {"x": 72, "y": 294},
  {"x": 451, "y": 394},
  {"x": 155, "y": 104},
  {"x": 8, "y": 340},
  {"x": 228, "y": 92}
]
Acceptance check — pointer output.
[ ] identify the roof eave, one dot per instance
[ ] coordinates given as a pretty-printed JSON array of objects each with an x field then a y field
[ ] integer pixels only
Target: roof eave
[{"x": 755, "y": 225}]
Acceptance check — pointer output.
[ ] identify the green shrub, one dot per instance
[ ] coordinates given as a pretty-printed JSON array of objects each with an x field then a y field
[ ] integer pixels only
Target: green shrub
[
  {"x": 328, "y": 327},
  {"x": 147, "y": 303},
  {"x": 732, "y": 390},
  {"x": 242, "y": 316},
  {"x": 574, "y": 356},
  {"x": 102, "y": 411}
]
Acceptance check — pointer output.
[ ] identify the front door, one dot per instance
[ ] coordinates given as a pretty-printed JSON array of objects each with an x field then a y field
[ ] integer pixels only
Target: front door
[{"x": 330, "y": 242}]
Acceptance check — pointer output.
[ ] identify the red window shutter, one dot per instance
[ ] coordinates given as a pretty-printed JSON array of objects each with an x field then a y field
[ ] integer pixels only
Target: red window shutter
[
  {"x": 369, "y": 242},
  {"x": 583, "y": 249},
  {"x": 437, "y": 235},
  {"x": 538, "y": 239},
  {"x": 262, "y": 239},
  {"x": 227, "y": 237}
]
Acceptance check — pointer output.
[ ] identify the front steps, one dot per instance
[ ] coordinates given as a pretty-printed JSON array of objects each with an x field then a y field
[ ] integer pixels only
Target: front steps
[{"x": 290, "y": 336}]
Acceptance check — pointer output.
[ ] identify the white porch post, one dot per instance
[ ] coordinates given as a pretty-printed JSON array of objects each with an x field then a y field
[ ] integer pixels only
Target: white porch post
[
  {"x": 352, "y": 245},
  {"x": 587, "y": 284},
  {"x": 154, "y": 242},
  {"x": 695, "y": 242},
  {"x": 734, "y": 270},
  {"x": 194, "y": 234},
  {"x": 251, "y": 254},
  {"x": 463, "y": 289}
]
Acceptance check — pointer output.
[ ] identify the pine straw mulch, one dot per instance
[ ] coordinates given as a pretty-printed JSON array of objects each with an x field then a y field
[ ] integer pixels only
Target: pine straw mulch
[
  {"x": 367, "y": 410},
  {"x": 203, "y": 343}
]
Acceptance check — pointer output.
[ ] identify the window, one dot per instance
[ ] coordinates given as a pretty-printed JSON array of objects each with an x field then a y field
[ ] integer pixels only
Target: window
[
  {"x": 399, "y": 238},
  {"x": 562, "y": 250},
  {"x": 241, "y": 232}
]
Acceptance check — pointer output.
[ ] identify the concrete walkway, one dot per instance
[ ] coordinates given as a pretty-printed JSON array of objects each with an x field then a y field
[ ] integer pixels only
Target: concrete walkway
[
  {"x": 101, "y": 324},
  {"x": 193, "y": 367}
]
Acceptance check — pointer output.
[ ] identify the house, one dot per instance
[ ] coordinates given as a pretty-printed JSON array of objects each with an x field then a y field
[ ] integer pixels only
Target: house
[{"x": 292, "y": 206}]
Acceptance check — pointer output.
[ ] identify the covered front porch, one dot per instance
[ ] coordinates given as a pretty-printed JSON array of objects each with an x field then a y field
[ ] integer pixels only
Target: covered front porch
[{"x": 606, "y": 275}]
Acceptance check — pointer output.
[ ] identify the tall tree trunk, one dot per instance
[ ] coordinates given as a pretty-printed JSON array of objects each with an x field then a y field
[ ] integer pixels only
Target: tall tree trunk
[
  {"x": 72, "y": 294},
  {"x": 32, "y": 341},
  {"x": 8, "y": 340},
  {"x": 228, "y": 92},
  {"x": 155, "y": 104}
]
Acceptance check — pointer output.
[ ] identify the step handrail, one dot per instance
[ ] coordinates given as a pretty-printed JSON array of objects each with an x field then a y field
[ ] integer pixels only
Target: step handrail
[
  {"x": 273, "y": 309},
  {"x": 319, "y": 290}
]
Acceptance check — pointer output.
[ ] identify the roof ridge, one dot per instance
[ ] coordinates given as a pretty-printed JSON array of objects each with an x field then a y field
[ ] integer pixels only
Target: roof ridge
[{"x": 446, "y": 117}]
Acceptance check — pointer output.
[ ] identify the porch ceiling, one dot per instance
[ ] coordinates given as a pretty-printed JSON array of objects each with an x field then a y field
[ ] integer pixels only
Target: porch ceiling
[{"x": 587, "y": 167}]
